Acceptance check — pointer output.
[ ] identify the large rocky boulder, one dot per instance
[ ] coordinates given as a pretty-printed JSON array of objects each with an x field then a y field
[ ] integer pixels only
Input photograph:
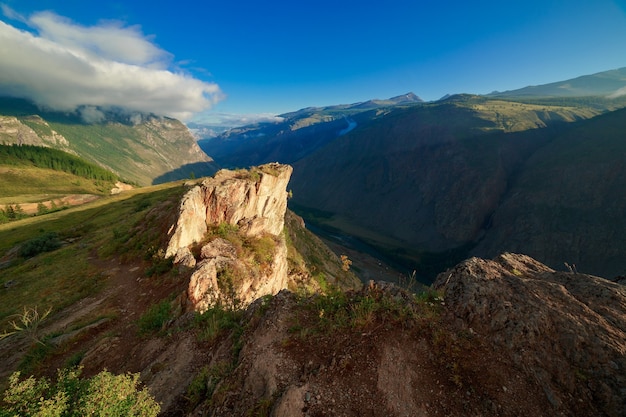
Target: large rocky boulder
[
  {"x": 249, "y": 207},
  {"x": 255, "y": 200},
  {"x": 564, "y": 330}
]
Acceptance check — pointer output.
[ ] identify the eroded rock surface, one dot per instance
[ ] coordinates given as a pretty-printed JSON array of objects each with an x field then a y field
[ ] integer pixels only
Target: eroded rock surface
[
  {"x": 567, "y": 331},
  {"x": 503, "y": 337},
  {"x": 254, "y": 202}
]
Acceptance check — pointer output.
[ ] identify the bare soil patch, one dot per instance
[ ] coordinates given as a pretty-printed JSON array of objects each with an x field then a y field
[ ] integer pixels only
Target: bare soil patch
[{"x": 67, "y": 201}]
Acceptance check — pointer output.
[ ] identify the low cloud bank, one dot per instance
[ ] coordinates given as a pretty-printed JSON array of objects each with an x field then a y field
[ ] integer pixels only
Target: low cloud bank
[
  {"x": 62, "y": 66},
  {"x": 233, "y": 119}
]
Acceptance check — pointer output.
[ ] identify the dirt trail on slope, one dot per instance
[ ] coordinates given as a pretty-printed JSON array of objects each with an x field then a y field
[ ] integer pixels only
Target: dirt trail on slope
[{"x": 67, "y": 201}]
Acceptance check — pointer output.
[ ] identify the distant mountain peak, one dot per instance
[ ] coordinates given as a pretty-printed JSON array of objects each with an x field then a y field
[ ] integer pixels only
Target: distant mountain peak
[{"x": 406, "y": 98}]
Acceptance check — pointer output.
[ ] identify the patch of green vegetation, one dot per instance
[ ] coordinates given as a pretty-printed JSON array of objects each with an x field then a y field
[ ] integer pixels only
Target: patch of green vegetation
[
  {"x": 160, "y": 264},
  {"x": 320, "y": 278},
  {"x": 54, "y": 159},
  {"x": 75, "y": 360},
  {"x": 216, "y": 321},
  {"x": 47, "y": 242},
  {"x": 142, "y": 233},
  {"x": 27, "y": 323},
  {"x": 308, "y": 256},
  {"x": 49, "y": 280},
  {"x": 205, "y": 382},
  {"x": 257, "y": 252},
  {"x": 338, "y": 310},
  {"x": 155, "y": 318},
  {"x": 104, "y": 394},
  {"x": 35, "y": 356},
  {"x": 262, "y": 408}
]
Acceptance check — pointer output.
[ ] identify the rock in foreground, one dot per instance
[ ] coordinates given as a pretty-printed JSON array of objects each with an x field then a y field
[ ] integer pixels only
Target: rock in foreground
[
  {"x": 566, "y": 332},
  {"x": 503, "y": 337}
]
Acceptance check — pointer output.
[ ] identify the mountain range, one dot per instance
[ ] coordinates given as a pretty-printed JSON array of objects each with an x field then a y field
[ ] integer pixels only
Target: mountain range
[{"x": 431, "y": 183}]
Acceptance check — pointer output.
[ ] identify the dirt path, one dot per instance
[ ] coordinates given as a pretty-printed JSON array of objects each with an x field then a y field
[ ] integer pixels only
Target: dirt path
[{"x": 67, "y": 201}]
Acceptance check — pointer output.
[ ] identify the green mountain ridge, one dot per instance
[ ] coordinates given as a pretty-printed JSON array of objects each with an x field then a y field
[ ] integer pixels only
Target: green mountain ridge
[
  {"x": 138, "y": 148},
  {"x": 609, "y": 84},
  {"x": 432, "y": 183}
]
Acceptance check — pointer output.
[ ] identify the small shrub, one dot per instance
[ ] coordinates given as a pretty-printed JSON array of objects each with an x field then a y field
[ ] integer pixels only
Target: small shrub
[
  {"x": 204, "y": 383},
  {"x": 155, "y": 318},
  {"x": 320, "y": 278},
  {"x": 225, "y": 229},
  {"x": 216, "y": 320},
  {"x": 103, "y": 395},
  {"x": 228, "y": 280},
  {"x": 42, "y": 209},
  {"x": 159, "y": 263},
  {"x": 44, "y": 243},
  {"x": 27, "y": 323},
  {"x": 263, "y": 248},
  {"x": 262, "y": 408}
]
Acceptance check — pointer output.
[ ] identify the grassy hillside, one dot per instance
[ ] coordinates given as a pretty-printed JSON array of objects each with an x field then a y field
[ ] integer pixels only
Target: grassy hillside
[
  {"x": 58, "y": 278},
  {"x": 41, "y": 157},
  {"x": 136, "y": 147},
  {"x": 37, "y": 180},
  {"x": 32, "y": 184},
  {"x": 53, "y": 261}
]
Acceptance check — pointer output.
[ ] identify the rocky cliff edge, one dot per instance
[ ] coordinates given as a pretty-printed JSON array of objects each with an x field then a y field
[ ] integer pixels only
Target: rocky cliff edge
[
  {"x": 229, "y": 229},
  {"x": 502, "y": 337}
]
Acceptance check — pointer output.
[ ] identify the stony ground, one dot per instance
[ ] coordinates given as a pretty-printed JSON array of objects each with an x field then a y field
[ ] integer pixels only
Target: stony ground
[{"x": 499, "y": 338}]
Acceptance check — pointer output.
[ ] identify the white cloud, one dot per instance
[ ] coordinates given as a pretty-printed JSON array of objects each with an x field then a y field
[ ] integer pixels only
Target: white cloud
[
  {"x": 110, "y": 40},
  {"x": 91, "y": 114},
  {"x": 65, "y": 65},
  {"x": 618, "y": 93},
  {"x": 233, "y": 119}
]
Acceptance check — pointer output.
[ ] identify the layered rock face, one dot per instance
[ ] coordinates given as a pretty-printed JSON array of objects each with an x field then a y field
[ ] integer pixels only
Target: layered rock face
[
  {"x": 564, "y": 331},
  {"x": 252, "y": 202}
]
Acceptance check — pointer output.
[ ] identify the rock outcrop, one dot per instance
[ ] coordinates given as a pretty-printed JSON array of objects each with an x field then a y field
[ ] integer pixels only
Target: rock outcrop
[
  {"x": 503, "y": 337},
  {"x": 255, "y": 200},
  {"x": 15, "y": 131},
  {"x": 565, "y": 331},
  {"x": 248, "y": 206}
]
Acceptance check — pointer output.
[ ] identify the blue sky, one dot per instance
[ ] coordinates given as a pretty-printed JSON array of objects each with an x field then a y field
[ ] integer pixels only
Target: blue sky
[{"x": 216, "y": 61}]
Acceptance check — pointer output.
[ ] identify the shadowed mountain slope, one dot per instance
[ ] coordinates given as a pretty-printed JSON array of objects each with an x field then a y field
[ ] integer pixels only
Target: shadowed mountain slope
[{"x": 428, "y": 180}]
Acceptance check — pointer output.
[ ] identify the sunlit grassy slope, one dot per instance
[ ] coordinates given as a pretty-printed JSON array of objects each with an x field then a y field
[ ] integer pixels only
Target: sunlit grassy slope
[{"x": 58, "y": 278}]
